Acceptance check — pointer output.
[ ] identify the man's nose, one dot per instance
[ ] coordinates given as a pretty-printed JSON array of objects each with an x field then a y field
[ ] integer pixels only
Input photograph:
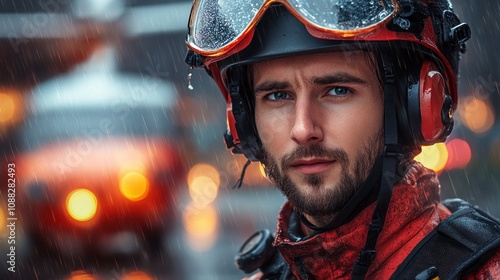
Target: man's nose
[{"x": 307, "y": 128}]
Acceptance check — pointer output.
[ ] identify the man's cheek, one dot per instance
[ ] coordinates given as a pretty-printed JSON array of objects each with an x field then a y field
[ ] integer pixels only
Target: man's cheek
[
  {"x": 271, "y": 125},
  {"x": 267, "y": 137}
]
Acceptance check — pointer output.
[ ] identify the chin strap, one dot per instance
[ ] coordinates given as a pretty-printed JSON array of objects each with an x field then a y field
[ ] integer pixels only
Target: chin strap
[
  {"x": 242, "y": 176},
  {"x": 393, "y": 154}
]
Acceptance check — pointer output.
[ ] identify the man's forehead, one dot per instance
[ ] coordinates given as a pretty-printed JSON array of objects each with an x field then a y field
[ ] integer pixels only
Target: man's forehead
[{"x": 352, "y": 62}]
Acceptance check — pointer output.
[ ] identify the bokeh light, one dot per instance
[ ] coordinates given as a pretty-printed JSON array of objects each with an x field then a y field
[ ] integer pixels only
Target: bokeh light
[
  {"x": 81, "y": 204},
  {"x": 203, "y": 183},
  {"x": 203, "y": 190},
  {"x": 134, "y": 186},
  {"x": 433, "y": 157},
  {"x": 137, "y": 275},
  {"x": 7, "y": 107},
  {"x": 477, "y": 114},
  {"x": 459, "y": 154},
  {"x": 203, "y": 169},
  {"x": 11, "y": 108},
  {"x": 262, "y": 171},
  {"x": 2, "y": 219},
  {"x": 81, "y": 275},
  {"x": 201, "y": 226}
]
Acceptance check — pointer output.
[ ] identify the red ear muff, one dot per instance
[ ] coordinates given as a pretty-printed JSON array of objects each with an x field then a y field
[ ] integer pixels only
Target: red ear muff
[{"x": 432, "y": 94}]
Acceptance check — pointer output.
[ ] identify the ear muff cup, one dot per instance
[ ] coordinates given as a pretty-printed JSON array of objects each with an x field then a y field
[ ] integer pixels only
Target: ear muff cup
[
  {"x": 432, "y": 101},
  {"x": 429, "y": 107}
]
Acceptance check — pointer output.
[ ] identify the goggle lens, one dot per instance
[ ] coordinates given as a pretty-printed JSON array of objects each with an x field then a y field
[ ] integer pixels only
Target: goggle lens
[
  {"x": 217, "y": 24},
  {"x": 344, "y": 15}
]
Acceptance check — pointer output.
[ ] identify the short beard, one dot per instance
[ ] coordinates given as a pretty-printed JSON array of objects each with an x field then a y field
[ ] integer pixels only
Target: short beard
[{"x": 330, "y": 200}]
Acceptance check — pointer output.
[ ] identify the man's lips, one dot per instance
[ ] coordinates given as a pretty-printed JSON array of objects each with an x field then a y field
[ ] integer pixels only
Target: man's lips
[{"x": 312, "y": 166}]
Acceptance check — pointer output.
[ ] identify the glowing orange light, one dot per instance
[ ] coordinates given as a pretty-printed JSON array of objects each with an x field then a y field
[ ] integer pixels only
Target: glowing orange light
[
  {"x": 81, "y": 275},
  {"x": 433, "y": 157},
  {"x": 12, "y": 107},
  {"x": 203, "y": 181},
  {"x": 203, "y": 190},
  {"x": 459, "y": 154},
  {"x": 137, "y": 275},
  {"x": 262, "y": 171},
  {"x": 134, "y": 186},
  {"x": 81, "y": 204},
  {"x": 2, "y": 218},
  {"x": 477, "y": 115},
  {"x": 201, "y": 226},
  {"x": 7, "y": 107},
  {"x": 203, "y": 169}
]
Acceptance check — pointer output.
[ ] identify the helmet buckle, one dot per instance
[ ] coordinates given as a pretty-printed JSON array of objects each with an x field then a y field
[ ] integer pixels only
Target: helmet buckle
[
  {"x": 403, "y": 23},
  {"x": 193, "y": 59},
  {"x": 455, "y": 33},
  {"x": 460, "y": 33}
]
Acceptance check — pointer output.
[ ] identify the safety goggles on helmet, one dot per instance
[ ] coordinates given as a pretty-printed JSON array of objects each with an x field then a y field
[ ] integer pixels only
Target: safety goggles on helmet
[{"x": 215, "y": 26}]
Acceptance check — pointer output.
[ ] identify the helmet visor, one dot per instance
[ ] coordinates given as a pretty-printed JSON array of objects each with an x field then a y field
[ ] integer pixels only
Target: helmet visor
[{"x": 215, "y": 26}]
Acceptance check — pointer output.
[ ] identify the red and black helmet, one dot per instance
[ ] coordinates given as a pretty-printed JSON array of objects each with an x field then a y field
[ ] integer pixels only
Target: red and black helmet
[{"x": 421, "y": 38}]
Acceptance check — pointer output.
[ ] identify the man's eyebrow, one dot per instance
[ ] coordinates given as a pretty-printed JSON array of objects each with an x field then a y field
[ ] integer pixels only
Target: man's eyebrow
[
  {"x": 338, "y": 78},
  {"x": 323, "y": 80},
  {"x": 271, "y": 85}
]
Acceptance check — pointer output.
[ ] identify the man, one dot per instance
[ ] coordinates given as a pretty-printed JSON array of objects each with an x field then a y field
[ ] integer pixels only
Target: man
[{"x": 335, "y": 98}]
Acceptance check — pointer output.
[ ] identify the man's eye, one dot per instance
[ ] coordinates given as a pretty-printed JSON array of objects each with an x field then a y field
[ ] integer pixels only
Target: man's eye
[
  {"x": 338, "y": 91},
  {"x": 278, "y": 96}
]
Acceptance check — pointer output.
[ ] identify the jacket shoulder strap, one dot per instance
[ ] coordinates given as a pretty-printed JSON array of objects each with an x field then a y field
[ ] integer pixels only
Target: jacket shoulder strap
[{"x": 459, "y": 244}]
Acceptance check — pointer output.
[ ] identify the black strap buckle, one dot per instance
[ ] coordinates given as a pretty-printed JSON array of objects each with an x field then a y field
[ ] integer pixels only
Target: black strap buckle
[
  {"x": 460, "y": 33},
  {"x": 193, "y": 59},
  {"x": 395, "y": 150}
]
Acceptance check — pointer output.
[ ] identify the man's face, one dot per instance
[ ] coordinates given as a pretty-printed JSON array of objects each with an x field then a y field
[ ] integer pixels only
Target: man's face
[{"x": 320, "y": 118}]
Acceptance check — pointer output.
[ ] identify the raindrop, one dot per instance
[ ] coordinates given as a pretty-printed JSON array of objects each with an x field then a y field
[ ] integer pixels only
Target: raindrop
[{"x": 189, "y": 78}]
